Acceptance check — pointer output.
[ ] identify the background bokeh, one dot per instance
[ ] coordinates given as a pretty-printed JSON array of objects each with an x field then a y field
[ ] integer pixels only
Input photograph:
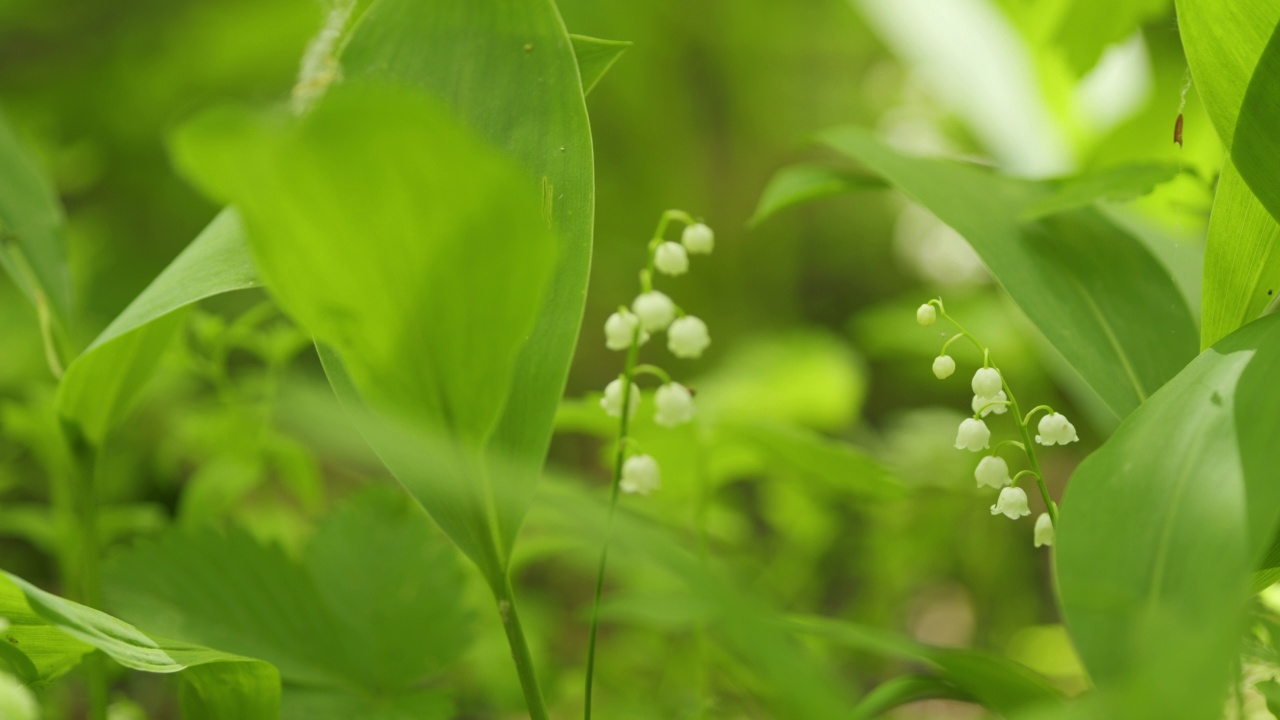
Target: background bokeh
[{"x": 811, "y": 312}]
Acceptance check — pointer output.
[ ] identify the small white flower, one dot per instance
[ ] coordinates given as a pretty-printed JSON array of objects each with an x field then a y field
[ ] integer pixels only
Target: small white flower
[
  {"x": 1056, "y": 429},
  {"x": 986, "y": 382},
  {"x": 926, "y": 315},
  {"x": 640, "y": 475},
  {"x": 993, "y": 471},
  {"x": 687, "y": 337},
  {"x": 675, "y": 405},
  {"x": 1012, "y": 503},
  {"x": 698, "y": 239},
  {"x": 1044, "y": 530},
  {"x": 655, "y": 310},
  {"x": 973, "y": 435},
  {"x": 612, "y": 400},
  {"x": 620, "y": 329},
  {"x": 671, "y": 259},
  {"x": 980, "y": 402},
  {"x": 943, "y": 366}
]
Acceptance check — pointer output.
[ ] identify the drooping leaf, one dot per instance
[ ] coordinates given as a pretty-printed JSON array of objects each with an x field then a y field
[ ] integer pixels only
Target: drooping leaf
[
  {"x": 797, "y": 184},
  {"x": 32, "y": 248},
  {"x": 595, "y": 58},
  {"x": 374, "y": 607},
  {"x": 528, "y": 103},
  {"x": 1162, "y": 527},
  {"x": 100, "y": 385},
  {"x": 1241, "y": 259},
  {"x": 1096, "y": 293},
  {"x": 55, "y": 633},
  {"x": 457, "y": 239},
  {"x": 903, "y": 690}
]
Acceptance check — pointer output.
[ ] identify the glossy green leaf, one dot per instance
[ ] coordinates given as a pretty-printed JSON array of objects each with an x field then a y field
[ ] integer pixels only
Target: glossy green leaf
[
  {"x": 55, "y": 633},
  {"x": 374, "y": 607},
  {"x": 1256, "y": 145},
  {"x": 903, "y": 690},
  {"x": 595, "y": 58},
  {"x": 528, "y": 103},
  {"x": 1096, "y": 293},
  {"x": 100, "y": 385},
  {"x": 1241, "y": 260},
  {"x": 468, "y": 249},
  {"x": 1162, "y": 527},
  {"x": 994, "y": 681},
  {"x": 32, "y": 248},
  {"x": 798, "y": 184}
]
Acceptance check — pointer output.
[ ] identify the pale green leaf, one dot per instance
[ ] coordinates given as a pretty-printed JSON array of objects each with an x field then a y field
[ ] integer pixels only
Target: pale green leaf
[
  {"x": 1116, "y": 184},
  {"x": 595, "y": 58},
  {"x": 1241, "y": 261},
  {"x": 1096, "y": 293},
  {"x": 798, "y": 184},
  {"x": 1162, "y": 527}
]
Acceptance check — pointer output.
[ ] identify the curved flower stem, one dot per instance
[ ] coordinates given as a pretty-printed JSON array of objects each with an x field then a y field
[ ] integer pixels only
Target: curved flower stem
[
  {"x": 653, "y": 370},
  {"x": 1031, "y": 453},
  {"x": 1002, "y": 443},
  {"x": 994, "y": 403},
  {"x": 1021, "y": 473},
  {"x": 620, "y": 457},
  {"x": 1027, "y": 420}
]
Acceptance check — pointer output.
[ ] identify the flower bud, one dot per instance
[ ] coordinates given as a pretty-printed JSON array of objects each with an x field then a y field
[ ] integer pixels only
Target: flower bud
[
  {"x": 640, "y": 475},
  {"x": 988, "y": 404},
  {"x": 926, "y": 315},
  {"x": 973, "y": 436},
  {"x": 671, "y": 259},
  {"x": 986, "y": 382},
  {"x": 943, "y": 366},
  {"x": 1044, "y": 530},
  {"x": 698, "y": 239},
  {"x": 687, "y": 337},
  {"x": 993, "y": 472},
  {"x": 1012, "y": 503},
  {"x": 612, "y": 400},
  {"x": 655, "y": 310},
  {"x": 675, "y": 405},
  {"x": 1056, "y": 430},
  {"x": 620, "y": 330}
]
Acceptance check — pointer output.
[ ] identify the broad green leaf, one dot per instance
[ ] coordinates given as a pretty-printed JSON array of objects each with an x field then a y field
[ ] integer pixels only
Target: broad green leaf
[
  {"x": 1162, "y": 527},
  {"x": 1241, "y": 259},
  {"x": 1116, "y": 184},
  {"x": 1096, "y": 293},
  {"x": 1256, "y": 146},
  {"x": 798, "y": 184},
  {"x": 374, "y": 607},
  {"x": 1270, "y": 691},
  {"x": 56, "y": 633},
  {"x": 595, "y": 58},
  {"x": 794, "y": 450},
  {"x": 467, "y": 248},
  {"x": 902, "y": 690},
  {"x": 528, "y": 103},
  {"x": 32, "y": 248},
  {"x": 100, "y": 385},
  {"x": 1086, "y": 28},
  {"x": 992, "y": 680}
]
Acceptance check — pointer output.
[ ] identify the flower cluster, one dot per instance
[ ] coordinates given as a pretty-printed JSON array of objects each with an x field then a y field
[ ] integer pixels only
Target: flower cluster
[
  {"x": 992, "y": 396},
  {"x": 687, "y": 337}
]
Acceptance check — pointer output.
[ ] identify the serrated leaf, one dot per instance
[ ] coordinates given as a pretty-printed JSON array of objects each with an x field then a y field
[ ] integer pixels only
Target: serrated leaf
[
  {"x": 595, "y": 58},
  {"x": 1096, "y": 292},
  {"x": 1162, "y": 527},
  {"x": 798, "y": 184}
]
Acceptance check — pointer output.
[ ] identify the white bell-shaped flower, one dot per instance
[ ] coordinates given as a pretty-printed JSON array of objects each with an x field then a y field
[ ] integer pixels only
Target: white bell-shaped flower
[
  {"x": 926, "y": 315},
  {"x": 612, "y": 400},
  {"x": 640, "y": 475},
  {"x": 993, "y": 472},
  {"x": 675, "y": 405},
  {"x": 986, "y": 382},
  {"x": 655, "y": 310},
  {"x": 671, "y": 259},
  {"x": 698, "y": 239},
  {"x": 943, "y": 367},
  {"x": 1044, "y": 530},
  {"x": 620, "y": 330},
  {"x": 989, "y": 405},
  {"x": 973, "y": 435},
  {"x": 1055, "y": 429},
  {"x": 687, "y": 337},
  {"x": 1012, "y": 503}
]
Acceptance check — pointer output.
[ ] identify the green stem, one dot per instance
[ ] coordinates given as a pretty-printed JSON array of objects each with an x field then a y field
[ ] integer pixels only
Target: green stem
[
  {"x": 620, "y": 457},
  {"x": 520, "y": 650},
  {"x": 702, "y": 505},
  {"x": 1050, "y": 506}
]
